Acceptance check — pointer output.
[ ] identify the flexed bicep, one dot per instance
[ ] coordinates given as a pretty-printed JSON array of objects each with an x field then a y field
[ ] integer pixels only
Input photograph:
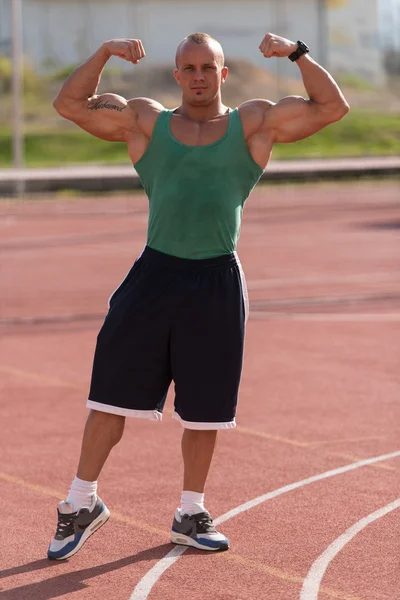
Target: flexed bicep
[
  {"x": 294, "y": 118},
  {"x": 107, "y": 116}
]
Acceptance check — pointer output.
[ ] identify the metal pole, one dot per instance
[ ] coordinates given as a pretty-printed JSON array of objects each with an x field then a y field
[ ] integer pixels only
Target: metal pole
[
  {"x": 323, "y": 33},
  {"x": 281, "y": 29},
  {"x": 17, "y": 92}
]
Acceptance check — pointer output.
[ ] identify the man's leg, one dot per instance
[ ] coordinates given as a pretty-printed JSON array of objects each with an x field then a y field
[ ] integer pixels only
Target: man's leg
[
  {"x": 197, "y": 451},
  {"x": 102, "y": 432},
  {"x": 193, "y": 525},
  {"x": 84, "y": 512}
]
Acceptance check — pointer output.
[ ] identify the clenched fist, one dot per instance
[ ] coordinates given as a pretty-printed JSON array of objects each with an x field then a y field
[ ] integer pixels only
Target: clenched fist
[
  {"x": 130, "y": 50},
  {"x": 274, "y": 45}
]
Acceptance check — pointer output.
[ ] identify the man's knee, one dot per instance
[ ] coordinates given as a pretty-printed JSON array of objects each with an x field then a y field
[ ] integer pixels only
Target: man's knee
[{"x": 106, "y": 423}]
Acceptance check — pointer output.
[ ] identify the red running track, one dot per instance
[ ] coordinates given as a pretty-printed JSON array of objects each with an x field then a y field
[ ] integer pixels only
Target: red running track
[{"x": 320, "y": 391}]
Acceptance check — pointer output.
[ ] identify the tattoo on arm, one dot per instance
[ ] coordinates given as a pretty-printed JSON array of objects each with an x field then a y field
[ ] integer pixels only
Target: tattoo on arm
[{"x": 98, "y": 105}]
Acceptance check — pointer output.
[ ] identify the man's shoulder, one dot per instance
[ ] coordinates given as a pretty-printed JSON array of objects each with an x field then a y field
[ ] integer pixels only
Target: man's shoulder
[
  {"x": 252, "y": 114},
  {"x": 255, "y": 107},
  {"x": 146, "y": 112},
  {"x": 145, "y": 104}
]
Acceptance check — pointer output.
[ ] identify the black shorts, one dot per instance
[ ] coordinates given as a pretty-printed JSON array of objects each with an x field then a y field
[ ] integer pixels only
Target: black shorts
[{"x": 173, "y": 319}]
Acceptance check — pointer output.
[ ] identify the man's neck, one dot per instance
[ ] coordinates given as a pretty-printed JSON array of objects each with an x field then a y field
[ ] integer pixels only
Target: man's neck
[{"x": 202, "y": 114}]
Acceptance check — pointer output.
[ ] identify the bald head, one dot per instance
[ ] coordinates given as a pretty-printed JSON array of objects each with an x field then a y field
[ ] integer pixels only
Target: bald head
[{"x": 200, "y": 39}]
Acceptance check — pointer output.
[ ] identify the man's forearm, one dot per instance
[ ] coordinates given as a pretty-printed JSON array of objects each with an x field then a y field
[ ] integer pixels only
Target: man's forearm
[
  {"x": 320, "y": 85},
  {"x": 84, "y": 81}
]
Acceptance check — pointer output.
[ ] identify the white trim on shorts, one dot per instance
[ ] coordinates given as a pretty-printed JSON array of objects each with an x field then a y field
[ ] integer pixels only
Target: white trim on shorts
[
  {"x": 117, "y": 288},
  {"x": 203, "y": 426},
  {"x": 244, "y": 289},
  {"x": 153, "y": 415}
]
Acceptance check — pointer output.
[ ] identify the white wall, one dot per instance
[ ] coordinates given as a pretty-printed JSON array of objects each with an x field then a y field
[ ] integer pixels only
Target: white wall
[
  {"x": 390, "y": 24},
  {"x": 63, "y": 32},
  {"x": 239, "y": 26},
  {"x": 67, "y": 32},
  {"x": 5, "y": 25},
  {"x": 354, "y": 44}
]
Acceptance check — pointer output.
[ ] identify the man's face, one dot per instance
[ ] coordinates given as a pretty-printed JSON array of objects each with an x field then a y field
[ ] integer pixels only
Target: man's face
[{"x": 200, "y": 72}]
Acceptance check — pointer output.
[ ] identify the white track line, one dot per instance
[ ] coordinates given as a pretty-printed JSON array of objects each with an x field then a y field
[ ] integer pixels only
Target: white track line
[
  {"x": 314, "y": 577},
  {"x": 143, "y": 588}
]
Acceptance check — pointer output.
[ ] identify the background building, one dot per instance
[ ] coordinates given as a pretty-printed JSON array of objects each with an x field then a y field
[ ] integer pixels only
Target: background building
[
  {"x": 390, "y": 24},
  {"x": 343, "y": 34},
  {"x": 354, "y": 38}
]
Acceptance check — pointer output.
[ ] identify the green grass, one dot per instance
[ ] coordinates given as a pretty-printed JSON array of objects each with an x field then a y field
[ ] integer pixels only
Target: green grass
[
  {"x": 359, "y": 134},
  {"x": 51, "y": 148}
]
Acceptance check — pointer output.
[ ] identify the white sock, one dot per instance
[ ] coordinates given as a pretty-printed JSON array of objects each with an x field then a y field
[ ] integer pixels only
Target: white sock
[
  {"x": 82, "y": 493},
  {"x": 192, "y": 503}
]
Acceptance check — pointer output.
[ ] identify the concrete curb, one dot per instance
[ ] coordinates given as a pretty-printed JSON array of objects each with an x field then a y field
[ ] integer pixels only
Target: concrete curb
[{"x": 106, "y": 178}]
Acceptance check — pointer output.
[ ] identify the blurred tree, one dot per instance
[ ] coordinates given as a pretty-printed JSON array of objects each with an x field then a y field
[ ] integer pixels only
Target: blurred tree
[
  {"x": 32, "y": 81},
  {"x": 392, "y": 62}
]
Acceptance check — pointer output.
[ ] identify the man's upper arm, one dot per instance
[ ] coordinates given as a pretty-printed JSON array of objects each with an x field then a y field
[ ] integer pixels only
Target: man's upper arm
[
  {"x": 109, "y": 116},
  {"x": 294, "y": 118}
]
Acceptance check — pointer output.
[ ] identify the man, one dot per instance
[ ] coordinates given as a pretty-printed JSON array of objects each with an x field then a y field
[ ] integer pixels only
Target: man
[{"x": 180, "y": 313}]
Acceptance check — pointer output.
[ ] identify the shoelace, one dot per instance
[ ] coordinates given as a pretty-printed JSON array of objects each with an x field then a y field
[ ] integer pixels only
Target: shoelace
[
  {"x": 65, "y": 525},
  {"x": 204, "y": 523}
]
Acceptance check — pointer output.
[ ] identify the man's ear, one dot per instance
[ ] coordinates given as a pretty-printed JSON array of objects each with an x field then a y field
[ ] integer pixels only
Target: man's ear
[
  {"x": 224, "y": 73},
  {"x": 176, "y": 75}
]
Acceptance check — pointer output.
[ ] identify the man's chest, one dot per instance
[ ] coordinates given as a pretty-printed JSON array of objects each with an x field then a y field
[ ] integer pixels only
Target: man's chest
[{"x": 192, "y": 133}]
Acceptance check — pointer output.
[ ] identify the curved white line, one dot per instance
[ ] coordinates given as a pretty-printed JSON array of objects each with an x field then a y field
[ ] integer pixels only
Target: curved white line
[
  {"x": 143, "y": 588},
  {"x": 312, "y": 582}
]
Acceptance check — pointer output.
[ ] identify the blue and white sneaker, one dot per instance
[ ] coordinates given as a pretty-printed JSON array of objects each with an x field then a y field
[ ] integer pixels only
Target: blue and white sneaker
[
  {"x": 74, "y": 528},
  {"x": 198, "y": 531}
]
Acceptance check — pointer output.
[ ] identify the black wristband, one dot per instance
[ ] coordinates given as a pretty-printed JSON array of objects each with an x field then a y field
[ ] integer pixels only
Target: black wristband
[{"x": 302, "y": 48}]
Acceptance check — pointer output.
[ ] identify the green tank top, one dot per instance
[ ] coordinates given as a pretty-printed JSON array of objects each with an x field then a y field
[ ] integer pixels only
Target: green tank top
[{"x": 196, "y": 193}]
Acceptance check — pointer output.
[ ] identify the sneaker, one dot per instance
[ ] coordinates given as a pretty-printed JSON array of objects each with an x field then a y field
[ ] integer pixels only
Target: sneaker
[
  {"x": 197, "y": 531},
  {"x": 74, "y": 528}
]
